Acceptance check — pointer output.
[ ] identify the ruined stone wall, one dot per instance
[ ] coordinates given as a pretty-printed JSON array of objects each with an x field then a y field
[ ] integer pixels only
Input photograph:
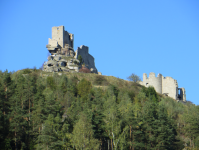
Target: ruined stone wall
[
  {"x": 52, "y": 42},
  {"x": 87, "y": 58},
  {"x": 170, "y": 87},
  {"x": 68, "y": 39},
  {"x": 154, "y": 81},
  {"x": 182, "y": 94},
  {"x": 164, "y": 85}
]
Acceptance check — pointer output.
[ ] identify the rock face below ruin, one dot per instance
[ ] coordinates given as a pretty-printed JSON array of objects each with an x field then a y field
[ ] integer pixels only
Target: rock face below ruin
[
  {"x": 57, "y": 63},
  {"x": 63, "y": 57}
]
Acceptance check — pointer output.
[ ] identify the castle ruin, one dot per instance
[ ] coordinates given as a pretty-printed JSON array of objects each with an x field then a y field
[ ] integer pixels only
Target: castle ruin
[
  {"x": 164, "y": 85},
  {"x": 63, "y": 57}
]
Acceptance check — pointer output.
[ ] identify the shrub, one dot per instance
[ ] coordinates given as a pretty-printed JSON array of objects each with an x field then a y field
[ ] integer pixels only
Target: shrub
[
  {"x": 100, "y": 80},
  {"x": 84, "y": 87},
  {"x": 26, "y": 71},
  {"x": 75, "y": 62},
  {"x": 80, "y": 58},
  {"x": 51, "y": 83},
  {"x": 84, "y": 70}
]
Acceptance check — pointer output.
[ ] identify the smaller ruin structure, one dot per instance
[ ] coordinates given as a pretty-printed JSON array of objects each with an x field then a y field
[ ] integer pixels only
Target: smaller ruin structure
[
  {"x": 63, "y": 57},
  {"x": 164, "y": 85}
]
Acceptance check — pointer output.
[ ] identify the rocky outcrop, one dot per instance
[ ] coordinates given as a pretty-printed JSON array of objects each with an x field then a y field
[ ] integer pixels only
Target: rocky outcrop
[
  {"x": 57, "y": 63},
  {"x": 63, "y": 57}
]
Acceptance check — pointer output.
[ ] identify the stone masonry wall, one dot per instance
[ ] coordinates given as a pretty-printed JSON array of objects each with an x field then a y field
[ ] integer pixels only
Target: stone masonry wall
[
  {"x": 170, "y": 86},
  {"x": 87, "y": 58},
  {"x": 61, "y": 36},
  {"x": 58, "y": 35},
  {"x": 154, "y": 81},
  {"x": 164, "y": 85}
]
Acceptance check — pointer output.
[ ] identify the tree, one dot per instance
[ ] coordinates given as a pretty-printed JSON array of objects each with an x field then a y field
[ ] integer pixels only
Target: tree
[
  {"x": 63, "y": 84},
  {"x": 50, "y": 137},
  {"x": 84, "y": 87},
  {"x": 19, "y": 115},
  {"x": 128, "y": 121},
  {"x": 135, "y": 78},
  {"x": 150, "y": 93},
  {"x": 80, "y": 59},
  {"x": 51, "y": 83},
  {"x": 111, "y": 119},
  {"x": 6, "y": 92},
  {"x": 159, "y": 130},
  {"x": 165, "y": 133},
  {"x": 83, "y": 136},
  {"x": 192, "y": 124},
  {"x": 100, "y": 80}
]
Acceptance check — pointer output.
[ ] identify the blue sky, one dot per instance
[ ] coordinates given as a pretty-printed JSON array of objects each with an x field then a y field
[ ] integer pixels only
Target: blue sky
[{"x": 128, "y": 36}]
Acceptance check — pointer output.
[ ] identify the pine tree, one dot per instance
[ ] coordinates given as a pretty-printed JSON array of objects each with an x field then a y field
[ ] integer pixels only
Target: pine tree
[
  {"x": 97, "y": 117},
  {"x": 82, "y": 136},
  {"x": 19, "y": 116},
  {"x": 149, "y": 115},
  {"x": 2, "y": 117},
  {"x": 165, "y": 133},
  {"x": 50, "y": 138},
  {"x": 84, "y": 88}
]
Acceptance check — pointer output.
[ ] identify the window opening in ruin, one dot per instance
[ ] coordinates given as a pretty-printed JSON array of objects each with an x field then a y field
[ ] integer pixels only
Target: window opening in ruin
[
  {"x": 147, "y": 83},
  {"x": 57, "y": 28},
  {"x": 179, "y": 91},
  {"x": 50, "y": 65},
  {"x": 179, "y": 94}
]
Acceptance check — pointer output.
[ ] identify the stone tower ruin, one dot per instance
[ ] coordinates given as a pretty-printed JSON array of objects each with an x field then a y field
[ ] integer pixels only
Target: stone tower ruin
[
  {"x": 164, "y": 85},
  {"x": 63, "y": 57},
  {"x": 61, "y": 42}
]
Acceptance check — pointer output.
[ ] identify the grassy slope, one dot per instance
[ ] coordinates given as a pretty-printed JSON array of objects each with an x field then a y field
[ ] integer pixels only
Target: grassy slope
[{"x": 119, "y": 83}]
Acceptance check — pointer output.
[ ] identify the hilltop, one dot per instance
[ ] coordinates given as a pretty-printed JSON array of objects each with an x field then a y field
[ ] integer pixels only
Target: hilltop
[{"x": 54, "y": 110}]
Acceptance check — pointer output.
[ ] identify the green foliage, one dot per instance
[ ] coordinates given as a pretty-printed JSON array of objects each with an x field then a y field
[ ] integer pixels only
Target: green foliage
[
  {"x": 50, "y": 137},
  {"x": 63, "y": 84},
  {"x": 80, "y": 59},
  {"x": 100, "y": 80},
  {"x": 75, "y": 62},
  {"x": 83, "y": 136},
  {"x": 113, "y": 123},
  {"x": 84, "y": 87},
  {"x": 26, "y": 71},
  {"x": 160, "y": 133},
  {"x": 50, "y": 82},
  {"x": 150, "y": 93},
  {"x": 63, "y": 112},
  {"x": 113, "y": 89}
]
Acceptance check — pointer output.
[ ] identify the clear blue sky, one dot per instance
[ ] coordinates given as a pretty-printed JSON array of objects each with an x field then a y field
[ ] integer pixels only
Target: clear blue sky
[{"x": 124, "y": 36}]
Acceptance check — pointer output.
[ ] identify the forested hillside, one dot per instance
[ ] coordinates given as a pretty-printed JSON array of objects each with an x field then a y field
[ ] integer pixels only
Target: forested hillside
[{"x": 83, "y": 111}]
